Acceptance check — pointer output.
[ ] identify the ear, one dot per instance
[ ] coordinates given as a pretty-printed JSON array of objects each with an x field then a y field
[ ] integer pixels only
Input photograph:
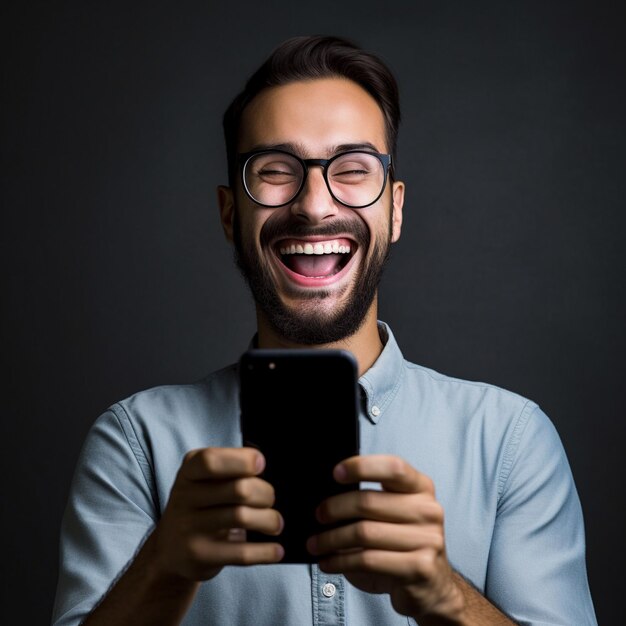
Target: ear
[
  {"x": 397, "y": 196},
  {"x": 226, "y": 203}
]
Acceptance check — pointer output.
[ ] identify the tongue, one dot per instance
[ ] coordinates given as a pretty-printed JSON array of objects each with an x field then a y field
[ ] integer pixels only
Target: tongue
[{"x": 314, "y": 264}]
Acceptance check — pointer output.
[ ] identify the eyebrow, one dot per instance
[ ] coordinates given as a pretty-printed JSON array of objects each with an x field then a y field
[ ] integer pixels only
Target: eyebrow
[{"x": 300, "y": 150}]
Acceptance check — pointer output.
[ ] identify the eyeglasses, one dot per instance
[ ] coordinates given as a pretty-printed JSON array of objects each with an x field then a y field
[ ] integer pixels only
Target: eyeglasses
[{"x": 274, "y": 178}]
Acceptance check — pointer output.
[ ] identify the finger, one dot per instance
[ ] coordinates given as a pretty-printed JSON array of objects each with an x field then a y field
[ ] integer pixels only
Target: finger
[
  {"x": 381, "y": 506},
  {"x": 212, "y": 520},
  {"x": 377, "y": 535},
  {"x": 403, "y": 566},
  {"x": 254, "y": 492},
  {"x": 394, "y": 473},
  {"x": 218, "y": 553},
  {"x": 216, "y": 463}
]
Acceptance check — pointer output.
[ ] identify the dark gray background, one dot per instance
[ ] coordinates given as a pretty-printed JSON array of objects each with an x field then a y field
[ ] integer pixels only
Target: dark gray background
[{"x": 116, "y": 276}]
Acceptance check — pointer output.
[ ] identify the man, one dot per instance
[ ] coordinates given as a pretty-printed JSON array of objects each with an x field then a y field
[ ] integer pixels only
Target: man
[{"x": 155, "y": 529}]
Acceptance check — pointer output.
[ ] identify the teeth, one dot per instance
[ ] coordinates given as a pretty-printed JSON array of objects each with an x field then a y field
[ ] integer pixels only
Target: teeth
[{"x": 317, "y": 248}]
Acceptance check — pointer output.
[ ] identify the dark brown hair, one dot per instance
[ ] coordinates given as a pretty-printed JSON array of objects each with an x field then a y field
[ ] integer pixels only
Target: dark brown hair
[{"x": 307, "y": 58}]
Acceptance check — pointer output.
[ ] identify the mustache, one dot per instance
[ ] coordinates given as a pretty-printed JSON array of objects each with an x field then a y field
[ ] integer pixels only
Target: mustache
[{"x": 284, "y": 227}]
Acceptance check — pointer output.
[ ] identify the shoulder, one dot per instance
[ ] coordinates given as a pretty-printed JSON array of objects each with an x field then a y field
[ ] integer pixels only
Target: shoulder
[
  {"x": 214, "y": 389},
  {"x": 456, "y": 405},
  {"x": 515, "y": 421},
  {"x": 469, "y": 396},
  {"x": 428, "y": 388},
  {"x": 182, "y": 414}
]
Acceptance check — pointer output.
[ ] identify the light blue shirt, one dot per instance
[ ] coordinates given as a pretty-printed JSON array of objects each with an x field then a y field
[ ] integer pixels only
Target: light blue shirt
[{"x": 513, "y": 519}]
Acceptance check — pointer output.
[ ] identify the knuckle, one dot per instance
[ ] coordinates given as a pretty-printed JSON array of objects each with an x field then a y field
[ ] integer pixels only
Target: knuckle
[
  {"x": 195, "y": 548},
  {"x": 246, "y": 555},
  {"x": 437, "y": 540},
  {"x": 429, "y": 484},
  {"x": 367, "y": 533},
  {"x": 210, "y": 460},
  {"x": 365, "y": 502},
  {"x": 240, "y": 516},
  {"x": 369, "y": 560},
  {"x": 189, "y": 455},
  {"x": 437, "y": 512},
  {"x": 185, "y": 467},
  {"x": 426, "y": 563},
  {"x": 361, "y": 532},
  {"x": 242, "y": 490},
  {"x": 398, "y": 468}
]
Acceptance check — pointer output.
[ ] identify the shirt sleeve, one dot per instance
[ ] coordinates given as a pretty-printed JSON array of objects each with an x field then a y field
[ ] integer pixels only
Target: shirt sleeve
[
  {"x": 536, "y": 570},
  {"x": 111, "y": 508}
]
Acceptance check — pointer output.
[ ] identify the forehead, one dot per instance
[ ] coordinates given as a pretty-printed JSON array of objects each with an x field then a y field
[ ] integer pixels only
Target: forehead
[{"x": 316, "y": 115}]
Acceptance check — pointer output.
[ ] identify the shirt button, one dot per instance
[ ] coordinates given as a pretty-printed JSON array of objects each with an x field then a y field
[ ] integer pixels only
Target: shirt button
[
  {"x": 329, "y": 590},
  {"x": 375, "y": 411}
]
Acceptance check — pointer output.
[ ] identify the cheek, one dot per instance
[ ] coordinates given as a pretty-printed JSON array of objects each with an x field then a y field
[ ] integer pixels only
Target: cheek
[
  {"x": 247, "y": 228},
  {"x": 248, "y": 220},
  {"x": 380, "y": 227},
  {"x": 251, "y": 221}
]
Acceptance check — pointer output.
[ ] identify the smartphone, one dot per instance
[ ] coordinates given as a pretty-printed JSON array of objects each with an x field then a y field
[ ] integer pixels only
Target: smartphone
[{"x": 300, "y": 408}]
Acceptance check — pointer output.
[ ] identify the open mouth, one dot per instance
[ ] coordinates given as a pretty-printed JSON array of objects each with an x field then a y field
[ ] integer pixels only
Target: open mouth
[{"x": 321, "y": 260}]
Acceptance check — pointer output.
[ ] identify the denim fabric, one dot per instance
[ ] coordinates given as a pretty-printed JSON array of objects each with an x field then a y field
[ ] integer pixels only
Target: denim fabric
[{"x": 514, "y": 525}]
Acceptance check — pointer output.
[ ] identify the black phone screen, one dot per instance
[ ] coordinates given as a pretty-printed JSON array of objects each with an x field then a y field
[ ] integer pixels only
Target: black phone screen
[{"x": 300, "y": 408}]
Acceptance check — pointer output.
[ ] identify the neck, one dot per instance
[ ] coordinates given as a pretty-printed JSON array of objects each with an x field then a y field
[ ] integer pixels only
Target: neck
[{"x": 365, "y": 344}]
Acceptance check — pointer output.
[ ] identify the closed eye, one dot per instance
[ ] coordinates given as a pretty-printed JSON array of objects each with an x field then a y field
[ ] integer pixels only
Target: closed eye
[
  {"x": 351, "y": 177},
  {"x": 349, "y": 172},
  {"x": 276, "y": 176}
]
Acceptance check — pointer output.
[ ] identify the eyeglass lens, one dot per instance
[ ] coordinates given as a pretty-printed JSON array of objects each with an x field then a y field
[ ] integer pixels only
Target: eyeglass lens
[{"x": 275, "y": 178}]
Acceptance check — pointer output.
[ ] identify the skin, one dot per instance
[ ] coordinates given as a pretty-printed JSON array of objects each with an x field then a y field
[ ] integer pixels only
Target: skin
[
  {"x": 317, "y": 116},
  {"x": 397, "y": 545}
]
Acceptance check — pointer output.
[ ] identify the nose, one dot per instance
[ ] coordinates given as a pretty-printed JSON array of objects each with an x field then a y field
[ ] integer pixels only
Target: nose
[{"x": 314, "y": 203}]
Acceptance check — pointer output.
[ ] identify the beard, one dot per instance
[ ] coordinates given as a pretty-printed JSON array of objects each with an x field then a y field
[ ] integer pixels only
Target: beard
[{"x": 310, "y": 323}]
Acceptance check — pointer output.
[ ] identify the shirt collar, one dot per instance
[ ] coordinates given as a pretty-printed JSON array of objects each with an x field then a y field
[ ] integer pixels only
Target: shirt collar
[{"x": 381, "y": 381}]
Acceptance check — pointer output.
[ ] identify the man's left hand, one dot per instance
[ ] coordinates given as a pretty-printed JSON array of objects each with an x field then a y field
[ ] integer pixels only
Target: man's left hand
[{"x": 392, "y": 540}]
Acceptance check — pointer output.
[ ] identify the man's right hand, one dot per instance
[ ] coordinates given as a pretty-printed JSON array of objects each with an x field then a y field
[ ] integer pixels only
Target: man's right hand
[{"x": 216, "y": 497}]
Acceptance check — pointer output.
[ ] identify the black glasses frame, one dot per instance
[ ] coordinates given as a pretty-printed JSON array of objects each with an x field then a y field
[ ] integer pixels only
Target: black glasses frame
[{"x": 244, "y": 159}]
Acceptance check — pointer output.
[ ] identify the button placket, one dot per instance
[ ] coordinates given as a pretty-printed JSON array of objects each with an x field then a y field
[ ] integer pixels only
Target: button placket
[{"x": 328, "y": 598}]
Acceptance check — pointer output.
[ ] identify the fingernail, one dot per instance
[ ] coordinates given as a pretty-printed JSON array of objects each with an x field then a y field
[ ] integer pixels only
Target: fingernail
[
  {"x": 340, "y": 472},
  {"x": 259, "y": 463},
  {"x": 280, "y": 552},
  {"x": 281, "y": 524}
]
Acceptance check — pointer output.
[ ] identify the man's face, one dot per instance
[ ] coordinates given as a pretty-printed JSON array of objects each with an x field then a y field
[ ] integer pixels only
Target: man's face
[{"x": 313, "y": 298}]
